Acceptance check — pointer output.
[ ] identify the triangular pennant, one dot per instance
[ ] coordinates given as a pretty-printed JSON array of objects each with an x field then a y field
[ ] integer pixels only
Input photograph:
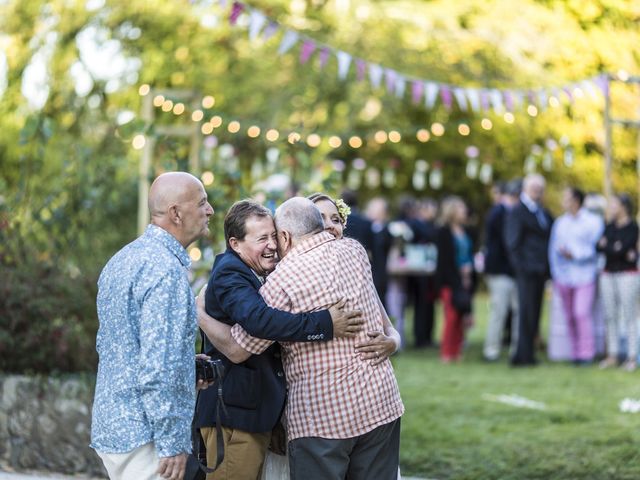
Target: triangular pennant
[
  {"x": 289, "y": 39},
  {"x": 236, "y": 10},
  {"x": 508, "y": 100},
  {"x": 445, "y": 95},
  {"x": 257, "y": 20},
  {"x": 344, "y": 61},
  {"x": 375, "y": 74},
  {"x": 401, "y": 86},
  {"x": 496, "y": 100},
  {"x": 431, "y": 93},
  {"x": 461, "y": 98},
  {"x": 543, "y": 96},
  {"x": 308, "y": 47},
  {"x": 323, "y": 57},
  {"x": 484, "y": 99},
  {"x": 474, "y": 98},
  {"x": 390, "y": 79},
  {"x": 270, "y": 30},
  {"x": 361, "y": 69},
  {"x": 417, "y": 89}
]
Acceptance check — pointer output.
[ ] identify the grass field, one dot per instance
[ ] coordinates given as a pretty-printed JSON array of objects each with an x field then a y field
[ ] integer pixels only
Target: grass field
[{"x": 454, "y": 429}]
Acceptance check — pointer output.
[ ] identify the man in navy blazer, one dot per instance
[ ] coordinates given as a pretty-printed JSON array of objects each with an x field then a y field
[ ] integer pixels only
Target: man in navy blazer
[
  {"x": 254, "y": 391},
  {"x": 527, "y": 231}
]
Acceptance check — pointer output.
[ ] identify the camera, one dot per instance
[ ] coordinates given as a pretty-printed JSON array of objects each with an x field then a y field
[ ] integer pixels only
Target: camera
[{"x": 209, "y": 370}]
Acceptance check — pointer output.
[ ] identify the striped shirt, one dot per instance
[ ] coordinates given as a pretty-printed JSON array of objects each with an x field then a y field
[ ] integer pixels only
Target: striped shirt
[{"x": 332, "y": 392}]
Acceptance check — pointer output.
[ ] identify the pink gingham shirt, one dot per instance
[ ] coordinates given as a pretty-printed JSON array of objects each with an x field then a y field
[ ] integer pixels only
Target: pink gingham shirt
[{"x": 332, "y": 392}]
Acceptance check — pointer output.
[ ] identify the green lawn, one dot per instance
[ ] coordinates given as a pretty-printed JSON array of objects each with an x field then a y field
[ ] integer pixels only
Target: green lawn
[{"x": 449, "y": 431}]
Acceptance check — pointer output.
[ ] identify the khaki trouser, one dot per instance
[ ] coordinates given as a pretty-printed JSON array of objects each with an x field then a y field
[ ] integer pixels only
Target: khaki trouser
[
  {"x": 244, "y": 453},
  {"x": 139, "y": 464}
]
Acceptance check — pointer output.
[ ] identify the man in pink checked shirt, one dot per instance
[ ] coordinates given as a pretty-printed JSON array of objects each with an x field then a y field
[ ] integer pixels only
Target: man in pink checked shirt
[{"x": 343, "y": 409}]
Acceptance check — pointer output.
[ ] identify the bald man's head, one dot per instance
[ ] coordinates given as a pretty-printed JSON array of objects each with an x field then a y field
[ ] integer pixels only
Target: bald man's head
[
  {"x": 170, "y": 188},
  {"x": 178, "y": 203}
]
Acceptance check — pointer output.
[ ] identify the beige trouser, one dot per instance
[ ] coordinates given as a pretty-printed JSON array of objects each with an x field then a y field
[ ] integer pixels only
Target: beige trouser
[
  {"x": 244, "y": 453},
  {"x": 139, "y": 464}
]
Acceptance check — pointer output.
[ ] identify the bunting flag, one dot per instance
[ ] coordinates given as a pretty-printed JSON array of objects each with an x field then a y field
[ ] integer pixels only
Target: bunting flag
[
  {"x": 344, "y": 61},
  {"x": 465, "y": 98},
  {"x": 307, "y": 49},
  {"x": 257, "y": 20},
  {"x": 289, "y": 39},
  {"x": 461, "y": 98},
  {"x": 375, "y": 75},
  {"x": 431, "y": 92}
]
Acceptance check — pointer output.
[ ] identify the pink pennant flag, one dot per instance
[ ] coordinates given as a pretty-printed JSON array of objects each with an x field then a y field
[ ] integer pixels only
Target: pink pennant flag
[
  {"x": 602, "y": 81},
  {"x": 323, "y": 57},
  {"x": 508, "y": 100},
  {"x": 308, "y": 47},
  {"x": 445, "y": 95},
  {"x": 236, "y": 10},
  {"x": 531, "y": 96},
  {"x": 484, "y": 99},
  {"x": 361, "y": 69},
  {"x": 417, "y": 89},
  {"x": 390, "y": 80}
]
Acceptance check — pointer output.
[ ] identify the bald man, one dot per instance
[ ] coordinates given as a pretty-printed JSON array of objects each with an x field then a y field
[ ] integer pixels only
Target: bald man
[{"x": 145, "y": 389}]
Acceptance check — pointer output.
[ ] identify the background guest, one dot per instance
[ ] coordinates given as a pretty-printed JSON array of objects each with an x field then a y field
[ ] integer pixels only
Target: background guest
[
  {"x": 574, "y": 269},
  {"x": 499, "y": 273},
  {"x": 455, "y": 273},
  {"x": 359, "y": 227},
  {"x": 527, "y": 232},
  {"x": 619, "y": 281},
  {"x": 377, "y": 212}
]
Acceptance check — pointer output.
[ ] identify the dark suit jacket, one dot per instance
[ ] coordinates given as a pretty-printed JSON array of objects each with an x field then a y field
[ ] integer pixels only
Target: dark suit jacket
[
  {"x": 448, "y": 273},
  {"x": 359, "y": 228},
  {"x": 380, "y": 247},
  {"x": 254, "y": 391},
  {"x": 497, "y": 261},
  {"x": 527, "y": 241}
]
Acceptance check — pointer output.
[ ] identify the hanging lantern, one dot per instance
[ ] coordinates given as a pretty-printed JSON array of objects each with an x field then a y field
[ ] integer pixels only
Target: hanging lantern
[
  {"x": 472, "y": 153},
  {"x": 354, "y": 179},
  {"x": 419, "y": 179},
  {"x": 435, "y": 178},
  {"x": 547, "y": 161},
  {"x": 530, "y": 164},
  {"x": 569, "y": 157},
  {"x": 373, "y": 177},
  {"x": 486, "y": 173}
]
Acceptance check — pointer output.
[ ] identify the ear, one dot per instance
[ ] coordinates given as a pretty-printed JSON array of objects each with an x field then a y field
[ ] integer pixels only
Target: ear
[
  {"x": 286, "y": 240},
  {"x": 234, "y": 243},
  {"x": 173, "y": 212}
]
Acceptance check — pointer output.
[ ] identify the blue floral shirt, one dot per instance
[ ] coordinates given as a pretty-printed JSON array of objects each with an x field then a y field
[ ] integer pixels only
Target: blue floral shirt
[{"x": 145, "y": 389}]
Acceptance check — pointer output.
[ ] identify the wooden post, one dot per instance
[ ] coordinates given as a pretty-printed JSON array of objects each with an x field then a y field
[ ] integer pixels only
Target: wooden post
[
  {"x": 191, "y": 131},
  {"x": 145, "y": 166},
  {"x": 607, "y": 139}
]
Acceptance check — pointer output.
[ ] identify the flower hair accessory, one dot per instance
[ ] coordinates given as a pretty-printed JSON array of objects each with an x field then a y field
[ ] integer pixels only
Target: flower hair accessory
[{"x": 343, "y": 210}]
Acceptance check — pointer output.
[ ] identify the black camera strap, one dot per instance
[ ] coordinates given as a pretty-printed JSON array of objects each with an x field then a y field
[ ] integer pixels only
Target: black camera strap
[{"x": 199, "y": 448}]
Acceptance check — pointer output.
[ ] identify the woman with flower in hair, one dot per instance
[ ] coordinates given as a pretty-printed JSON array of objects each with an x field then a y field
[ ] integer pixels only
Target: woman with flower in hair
[{"x": 334, "y": 214}]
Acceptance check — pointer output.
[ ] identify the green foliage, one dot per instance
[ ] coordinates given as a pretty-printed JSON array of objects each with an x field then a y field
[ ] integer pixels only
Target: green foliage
[{"x": 68, "y": 173}]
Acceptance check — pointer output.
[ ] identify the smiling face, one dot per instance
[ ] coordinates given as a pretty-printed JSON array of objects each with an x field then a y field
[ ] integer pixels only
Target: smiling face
[
  {"x": 331, "y": 218},
  {"x": 258, "y": 248}
]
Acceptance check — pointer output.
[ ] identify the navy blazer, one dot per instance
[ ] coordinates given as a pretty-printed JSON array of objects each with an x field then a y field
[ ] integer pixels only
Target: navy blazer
[
  {"x": 254, "y": 391},
  {"x": 497, "y": 261},
  {"x": 527, "y": 241}
]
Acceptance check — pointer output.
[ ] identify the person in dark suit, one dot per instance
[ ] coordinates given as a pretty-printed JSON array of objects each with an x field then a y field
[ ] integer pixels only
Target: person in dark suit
[
  {"x": 254, "y": 390},
  {"x": 377, "y": 213},
  {"x": 527, "y": 231},
  {"x": 359, "y": 227}
]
